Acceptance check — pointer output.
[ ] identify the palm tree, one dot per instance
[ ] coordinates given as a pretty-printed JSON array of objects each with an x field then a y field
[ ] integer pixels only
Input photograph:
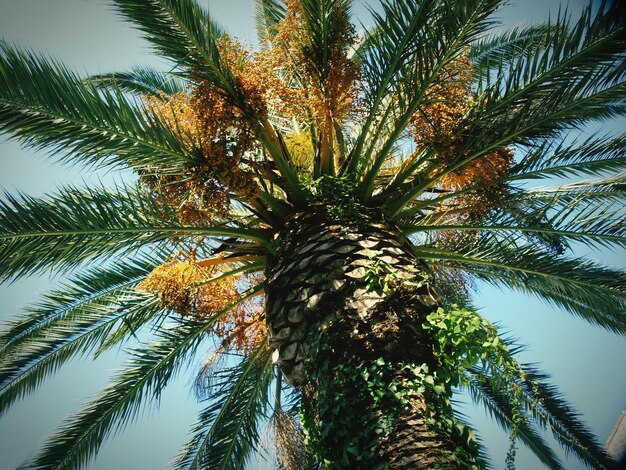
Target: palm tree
[{"x": 321, "y": 208}]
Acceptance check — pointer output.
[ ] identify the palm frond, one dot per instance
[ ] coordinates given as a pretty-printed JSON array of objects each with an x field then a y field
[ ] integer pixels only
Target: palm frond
[
  {"x": 77, "y": 225},
  {"x": 148, "y": 372},
  {"x": 84, "y": 289},
  {"x": 227, "y": 431},
  {"x": 393, "y": 37},
  {"x": 592, "y": 156},
  {"x": 614, "y": 184},
  {"x": 134, "y": 323},
  {"x": 483, "y": 460},
  {"x": 82, "y": 330},
  {"x": 448, "y": 30},
  {"x": 593, "y": 214},
  {"x": 320, "y": 19},
  {"x": 576, "y": 78},
  {"x": 549, "y": 159},
  {"x": 495, "y": 49},
  {"x": 184, "y": 32},
  {"x": 544, "y": 407},
  {"x": 143, "y": 81},
  {"x": 268, "y": 14},
  {"x": 323, "y": 41},
  {"x": 46, "y": 106},
  {"x": 589, "y": 211},
  {"x": 587, "y": 289},
  {"x": 501, "y": 409}
]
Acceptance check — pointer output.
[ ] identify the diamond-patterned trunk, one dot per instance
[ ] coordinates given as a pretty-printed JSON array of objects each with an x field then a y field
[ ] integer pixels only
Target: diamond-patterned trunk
[{"x": 359, "y": 287}]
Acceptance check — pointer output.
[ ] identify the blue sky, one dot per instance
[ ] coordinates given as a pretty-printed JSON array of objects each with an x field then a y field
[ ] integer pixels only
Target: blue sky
[{"x": 587, "y": 363}]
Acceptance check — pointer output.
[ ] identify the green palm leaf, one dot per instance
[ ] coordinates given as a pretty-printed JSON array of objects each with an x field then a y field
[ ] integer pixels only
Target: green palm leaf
[
  {"x": 227, "y": 431},
  {"x": 500, "y": 408},
  {"x": 447, "y": 29},
  {"x": 484, "y": 462},
  {"x": 84, "y": 289},
  {"x": 149, "y": 370},
  {"x": 563, "y": 159},
  {"x": 544, "y": 407},
  {"x": 46, "y": 106},
  {"x": 590, "y": 157},
  {"x": 143, "y": 81},
  {"x": 396, "y": 33},
  {"x": 576, "y": 78},
  {"x": 593, "y": 292},
  {"x": 593, "y": 214},
  {"x": 319, "y": 21},
  {"x": 488, "y": 52},
  {"x": 77, "y": 225},
  {"x": 82, "y": 330},
  {"x": 182, "y": 31},
  {"x": 268, "y": 14}
]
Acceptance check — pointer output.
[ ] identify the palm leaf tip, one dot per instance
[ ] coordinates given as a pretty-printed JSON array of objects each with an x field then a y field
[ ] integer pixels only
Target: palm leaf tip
[
  {"x": 149, "y": 370},
  {"x": 78, "y": 225},
  {"x": 544, "y": 408},
  {"x": 46, "y": 106},
  {"x": 228, "y": 429}
]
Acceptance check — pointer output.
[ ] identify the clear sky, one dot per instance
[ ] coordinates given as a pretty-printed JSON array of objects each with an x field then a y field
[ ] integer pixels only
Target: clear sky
[{"x": 587, "y": 363}]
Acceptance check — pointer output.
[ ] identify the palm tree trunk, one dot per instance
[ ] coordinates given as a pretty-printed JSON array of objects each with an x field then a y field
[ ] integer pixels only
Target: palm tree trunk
[{"x": 345, "y": 304}]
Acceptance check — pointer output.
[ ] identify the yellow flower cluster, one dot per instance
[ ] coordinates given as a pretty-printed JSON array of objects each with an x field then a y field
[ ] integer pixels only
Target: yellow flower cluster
[
  {"x": 244, "y": 328},
  {"x": 220, "y": 136},
  {"x": 297, "y": 86},
  {"x": 175, "y": 112},
  {"x": 183, "y": 286},
  {"x": 301, "y": 150},
  {"x": 483, "y": 172},
  {"x": 439, "y": 125},
  {"x": 278, "y": 81}
]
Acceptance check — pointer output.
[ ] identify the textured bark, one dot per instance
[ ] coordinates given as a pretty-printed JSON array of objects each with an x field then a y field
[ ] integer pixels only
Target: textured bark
[
  {"x": 412, "y": 445},
  {"x": 360, "y": 287},
  {"x": 318, "y": 276}
]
